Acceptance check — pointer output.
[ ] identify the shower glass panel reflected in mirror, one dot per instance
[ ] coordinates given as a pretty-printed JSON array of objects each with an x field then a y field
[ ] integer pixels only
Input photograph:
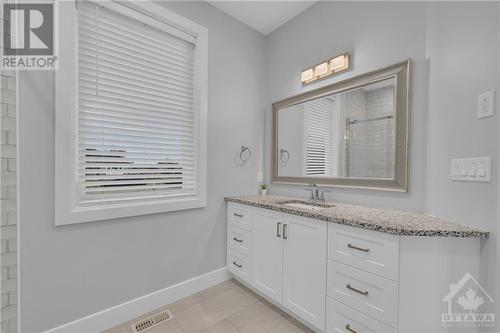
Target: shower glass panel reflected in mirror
[{"x": 349, "y": 134}]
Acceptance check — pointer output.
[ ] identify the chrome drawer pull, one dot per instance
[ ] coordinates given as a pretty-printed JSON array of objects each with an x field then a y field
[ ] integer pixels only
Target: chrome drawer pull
[
  {"x": 238, "y": 240},
  {"x": 285, "y": 231},
  {"x": 238, "y": 215},
  {"x": 348, "y": 327},
  {"x": 364, "y": 293},
  {"x": 278, "y": 226},
  {"x": 357, "y": 248},
  {"x": 237, "y": 265}
]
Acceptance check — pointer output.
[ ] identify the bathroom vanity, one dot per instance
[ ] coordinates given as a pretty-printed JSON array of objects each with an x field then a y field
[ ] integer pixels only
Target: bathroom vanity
[{"x": 342, "y": 268}]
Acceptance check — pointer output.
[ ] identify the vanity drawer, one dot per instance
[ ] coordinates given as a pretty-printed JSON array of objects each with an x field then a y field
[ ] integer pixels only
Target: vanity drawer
[
  {"x": 239, "y": 265},
  {"x": 368, "y": 293},
  {"x": 239, "y": 240},
  {"x": 239, "y": 215},
  {"x": 372, "y": 251},
  {"x": 341, "y": 318}
]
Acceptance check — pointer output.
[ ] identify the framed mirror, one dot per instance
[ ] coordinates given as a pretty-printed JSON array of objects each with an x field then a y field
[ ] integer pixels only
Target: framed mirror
[{"x": 353, "y": 133}]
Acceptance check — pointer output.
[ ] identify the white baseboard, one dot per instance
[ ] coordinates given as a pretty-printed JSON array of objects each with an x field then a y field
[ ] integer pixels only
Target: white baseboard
[{"x": 118, "y": 314}]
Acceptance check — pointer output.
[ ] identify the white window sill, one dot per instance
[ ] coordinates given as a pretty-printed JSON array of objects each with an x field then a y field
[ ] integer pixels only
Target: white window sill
[{"x": 128, "y": 209}]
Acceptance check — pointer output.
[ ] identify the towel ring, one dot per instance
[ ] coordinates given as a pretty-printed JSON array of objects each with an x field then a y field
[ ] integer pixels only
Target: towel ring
[
  {"x": 284, "y": 155},
  {"x": 242, "y": 154}
]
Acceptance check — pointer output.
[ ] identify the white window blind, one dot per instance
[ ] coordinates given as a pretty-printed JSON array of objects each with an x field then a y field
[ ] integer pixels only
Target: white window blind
[
  {"x": 136, "y": 120},
  {"x": 318, "y": 135}
]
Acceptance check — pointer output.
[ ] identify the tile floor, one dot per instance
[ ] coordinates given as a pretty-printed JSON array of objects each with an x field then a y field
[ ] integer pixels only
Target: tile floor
[{"x": 225, "y": 308}]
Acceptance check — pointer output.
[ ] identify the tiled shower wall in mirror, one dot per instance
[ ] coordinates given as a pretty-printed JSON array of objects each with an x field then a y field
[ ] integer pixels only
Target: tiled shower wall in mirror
[{"x": 371, "y": 142}]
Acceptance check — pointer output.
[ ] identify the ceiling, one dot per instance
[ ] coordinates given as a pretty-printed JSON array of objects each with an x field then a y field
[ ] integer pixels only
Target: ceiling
[{"x": 263, "y": 16}]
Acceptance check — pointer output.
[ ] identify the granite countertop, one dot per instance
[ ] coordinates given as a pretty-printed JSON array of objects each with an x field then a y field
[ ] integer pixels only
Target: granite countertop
[{"x": 383, "y": 220}]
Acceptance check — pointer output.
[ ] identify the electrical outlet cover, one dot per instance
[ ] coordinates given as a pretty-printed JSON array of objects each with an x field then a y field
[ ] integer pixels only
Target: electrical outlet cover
[{"x": 486, "y": 105}]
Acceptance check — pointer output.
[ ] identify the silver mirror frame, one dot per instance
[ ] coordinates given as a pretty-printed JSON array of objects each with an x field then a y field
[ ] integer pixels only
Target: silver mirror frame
[{"x": 401, "y": 73}]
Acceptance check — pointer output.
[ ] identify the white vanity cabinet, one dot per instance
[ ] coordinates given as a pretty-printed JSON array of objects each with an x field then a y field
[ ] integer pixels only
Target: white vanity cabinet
[
  {"x": 239, "y": 240},
  {"x": 267, "y": 257},
  {"x": 287, "y": 261},
  {"x": 363, "y": 274},
  {"x": 338, "y": 278},
  {"x": 304, "y": 270}
]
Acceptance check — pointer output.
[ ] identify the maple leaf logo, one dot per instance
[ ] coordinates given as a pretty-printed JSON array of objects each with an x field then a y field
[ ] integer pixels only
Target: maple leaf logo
[{"x": 470, "y": 301}]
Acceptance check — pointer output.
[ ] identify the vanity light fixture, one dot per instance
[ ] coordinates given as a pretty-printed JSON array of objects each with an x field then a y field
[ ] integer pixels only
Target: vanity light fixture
[
  {"x": 327, "y": 68},
  {"x": 321, "y": 69},
  {"x": 307, "y": 75},
  {"x": 339, "y": 63}
]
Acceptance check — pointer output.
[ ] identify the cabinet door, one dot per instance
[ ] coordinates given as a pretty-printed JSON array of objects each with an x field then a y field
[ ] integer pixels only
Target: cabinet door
[
  {"x": 304, "y": 268},
  {"x": 267, "y": 252}
]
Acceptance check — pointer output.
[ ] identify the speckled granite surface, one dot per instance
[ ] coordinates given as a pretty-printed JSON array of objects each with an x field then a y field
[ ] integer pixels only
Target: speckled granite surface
[{"x": 388, "y": 221}]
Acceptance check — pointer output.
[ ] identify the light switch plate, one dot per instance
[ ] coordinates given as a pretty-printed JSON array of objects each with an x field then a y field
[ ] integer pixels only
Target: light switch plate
[
  {"x": 486, "y": 105},
  {"x": 471, "y": 169}
]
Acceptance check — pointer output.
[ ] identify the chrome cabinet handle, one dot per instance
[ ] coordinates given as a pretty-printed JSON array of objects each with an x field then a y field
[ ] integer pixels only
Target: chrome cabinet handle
[
  {"x": 285, "y": 231},
  {"x": 238, "y": 240},
  {"x": 237, "y": 265},
  {"x": 348, "y": 327},
  {"x": 364, "y": 293},
  {"x": 357, "y": 248},
  {"x": 238, "y": 215},
  {"x": 278, "y": 227}
]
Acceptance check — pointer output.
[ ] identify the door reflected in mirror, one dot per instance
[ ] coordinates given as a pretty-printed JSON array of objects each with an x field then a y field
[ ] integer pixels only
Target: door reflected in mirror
[{"x": 349, "y": 134}]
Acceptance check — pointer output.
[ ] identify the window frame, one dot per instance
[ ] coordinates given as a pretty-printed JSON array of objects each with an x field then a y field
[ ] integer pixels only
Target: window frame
[{"x": 68, "y": 209}]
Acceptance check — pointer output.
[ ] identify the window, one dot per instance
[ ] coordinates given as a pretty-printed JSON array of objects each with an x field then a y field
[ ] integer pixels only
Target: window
[
  {"x": 318, "y": 137},
  {"x": 135, "y": 119}
]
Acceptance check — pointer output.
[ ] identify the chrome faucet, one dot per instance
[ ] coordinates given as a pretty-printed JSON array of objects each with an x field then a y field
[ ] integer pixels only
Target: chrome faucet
[
  {"x": 322, "y": 195},
  {"x": 317, "y": 194},
  {"x": 314, "y": 192}
]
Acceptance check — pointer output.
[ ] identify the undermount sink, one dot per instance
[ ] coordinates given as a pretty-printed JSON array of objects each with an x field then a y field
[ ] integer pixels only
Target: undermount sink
[{"x": 307, "y": 205}]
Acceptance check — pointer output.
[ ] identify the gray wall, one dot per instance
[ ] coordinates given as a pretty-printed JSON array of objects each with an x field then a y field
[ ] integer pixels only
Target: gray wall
[
  {"x": 69, "y": 272},
  {"x": 457, "y": 33},
  {"x": 497, "y": 230}
]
